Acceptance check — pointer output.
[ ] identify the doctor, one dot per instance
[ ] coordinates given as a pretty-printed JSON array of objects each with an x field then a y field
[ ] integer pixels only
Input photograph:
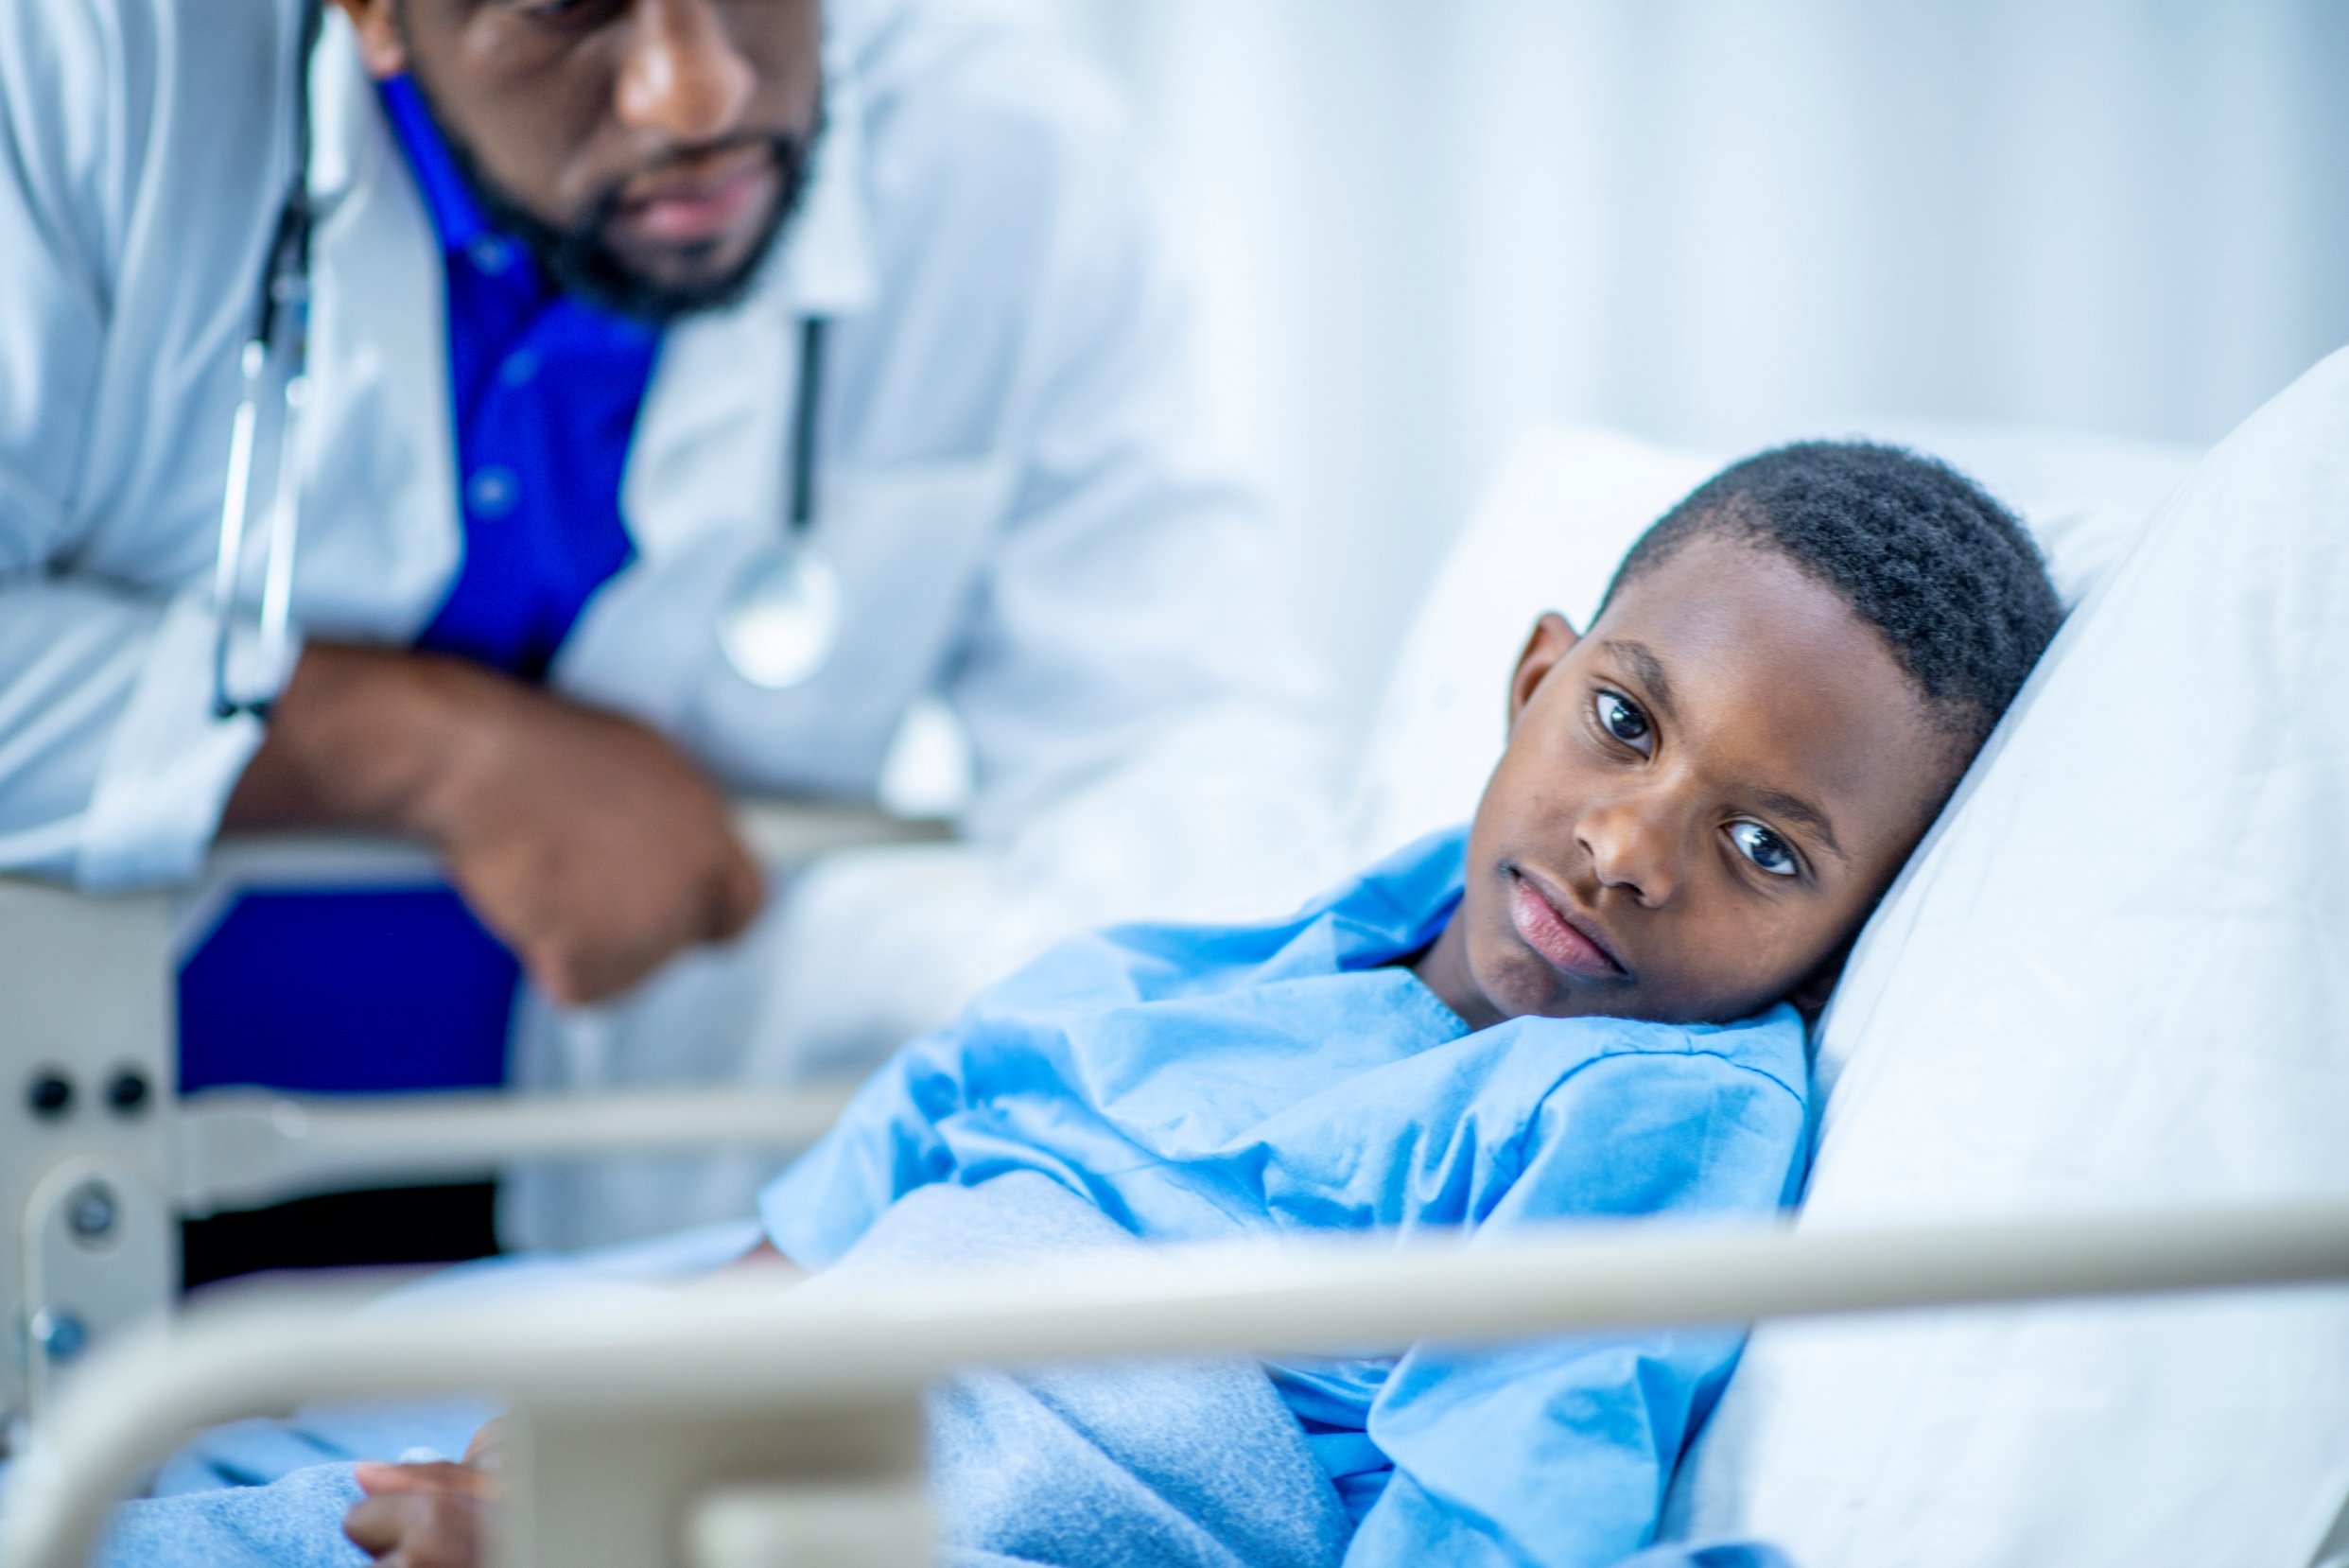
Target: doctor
[{"x": 632, "y": 327}]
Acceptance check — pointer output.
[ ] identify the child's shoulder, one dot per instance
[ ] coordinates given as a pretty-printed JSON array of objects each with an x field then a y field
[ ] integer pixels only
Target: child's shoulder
[
  {"x": 1623, "y": 1117},
  {"x": 1545, "y": 1118},
  {"x": 1772, "y": 1045}
]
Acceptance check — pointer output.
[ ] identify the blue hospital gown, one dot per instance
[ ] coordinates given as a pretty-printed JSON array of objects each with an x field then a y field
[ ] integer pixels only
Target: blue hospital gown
[{"x": 1197, "y": 1083}]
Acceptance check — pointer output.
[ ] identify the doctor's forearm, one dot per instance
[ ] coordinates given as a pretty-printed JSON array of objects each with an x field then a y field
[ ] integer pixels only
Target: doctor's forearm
[
  {"x": 362, "y": 738},
  {"x": 590, "y": 844}
]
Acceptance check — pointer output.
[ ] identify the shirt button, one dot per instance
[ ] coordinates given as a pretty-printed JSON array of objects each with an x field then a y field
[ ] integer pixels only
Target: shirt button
[
  {"x": 490, "y": 255},
  {"x": 520, "y": 368},
  {"x": 491, "y": 492}
]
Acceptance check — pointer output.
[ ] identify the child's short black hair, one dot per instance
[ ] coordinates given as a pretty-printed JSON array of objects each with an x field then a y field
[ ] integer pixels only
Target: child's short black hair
[{"x": 1921, "y": 552}]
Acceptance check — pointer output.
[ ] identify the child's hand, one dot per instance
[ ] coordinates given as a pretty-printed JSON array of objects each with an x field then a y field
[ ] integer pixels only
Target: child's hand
[{"x": 423, "y": 1516}]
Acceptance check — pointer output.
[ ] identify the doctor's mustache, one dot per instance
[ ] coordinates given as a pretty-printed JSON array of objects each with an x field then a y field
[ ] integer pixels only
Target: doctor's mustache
[
  {"x": 581, "y": 260},
  {"x": 579, "y": 257}
]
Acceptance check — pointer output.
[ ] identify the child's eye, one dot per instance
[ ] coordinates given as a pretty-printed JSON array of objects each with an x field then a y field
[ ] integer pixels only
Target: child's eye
[
  {"x": 1621, "y": 717},
  {"x": 1765, "y": 848}
]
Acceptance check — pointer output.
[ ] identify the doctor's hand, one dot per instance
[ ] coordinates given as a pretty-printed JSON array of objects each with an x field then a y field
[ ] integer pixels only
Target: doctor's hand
[{"x": 584, "y": 841}]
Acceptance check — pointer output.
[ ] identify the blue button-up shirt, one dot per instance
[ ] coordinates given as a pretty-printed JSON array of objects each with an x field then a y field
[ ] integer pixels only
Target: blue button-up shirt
[
  {"x": 384, "y": 990},
  {"x": 545, "y": 390}
]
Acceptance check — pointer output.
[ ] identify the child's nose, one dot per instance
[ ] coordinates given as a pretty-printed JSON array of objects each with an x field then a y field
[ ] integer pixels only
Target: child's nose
[{"x": 1634, "y": 848}]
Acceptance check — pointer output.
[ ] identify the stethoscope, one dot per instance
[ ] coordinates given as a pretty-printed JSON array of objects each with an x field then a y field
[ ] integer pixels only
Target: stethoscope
[
  {"x": 778, "y": 623},
  {"x": 781, "y": 620},
  {"x": 284, "y": 309}
]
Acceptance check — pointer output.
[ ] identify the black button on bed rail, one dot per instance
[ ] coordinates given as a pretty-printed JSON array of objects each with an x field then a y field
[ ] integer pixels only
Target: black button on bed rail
[
  {"x": 48, "y": 1093},
  {"x": 126, "y": 1091}
]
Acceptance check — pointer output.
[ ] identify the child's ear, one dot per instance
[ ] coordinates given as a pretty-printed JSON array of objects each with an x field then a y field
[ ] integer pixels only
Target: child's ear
[{"x": 1552, "y": 640}]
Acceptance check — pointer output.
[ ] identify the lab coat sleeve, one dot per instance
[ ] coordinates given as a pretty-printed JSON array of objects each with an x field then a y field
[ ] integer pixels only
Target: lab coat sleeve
[
  {"x": 1145, "y": 734},
  {"x": 1557, "y": 1453},
  {"x": 111, "y": 769}
]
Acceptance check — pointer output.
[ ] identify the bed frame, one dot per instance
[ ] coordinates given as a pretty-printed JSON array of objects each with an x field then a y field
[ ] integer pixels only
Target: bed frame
[
  {"x": 748, "y": 1428},
  {"x": 100, "y": 1159}
]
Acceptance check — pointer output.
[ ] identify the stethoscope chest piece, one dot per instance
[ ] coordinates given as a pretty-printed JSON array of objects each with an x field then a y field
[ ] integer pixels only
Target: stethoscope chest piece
[{"x": 781, "y": 622}]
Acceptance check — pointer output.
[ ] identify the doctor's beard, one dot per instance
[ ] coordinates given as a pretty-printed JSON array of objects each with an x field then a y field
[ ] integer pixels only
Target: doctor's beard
[{"x": 579, "y": 260}]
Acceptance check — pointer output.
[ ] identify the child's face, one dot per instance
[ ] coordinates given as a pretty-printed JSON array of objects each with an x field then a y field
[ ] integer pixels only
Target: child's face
[{"x": 1700, "y": 801}]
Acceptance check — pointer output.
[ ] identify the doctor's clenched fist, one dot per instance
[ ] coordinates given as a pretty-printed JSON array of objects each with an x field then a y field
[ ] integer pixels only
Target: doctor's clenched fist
[{"x": 586, "y": 842}]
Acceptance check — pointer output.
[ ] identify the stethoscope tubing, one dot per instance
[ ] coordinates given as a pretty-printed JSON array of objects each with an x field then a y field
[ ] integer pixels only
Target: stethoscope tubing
[{"x": 806, "y": 419}]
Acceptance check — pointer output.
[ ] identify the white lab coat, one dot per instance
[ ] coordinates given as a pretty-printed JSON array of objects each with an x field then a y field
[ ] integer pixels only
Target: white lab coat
[{"x": 1004, "y": 491}]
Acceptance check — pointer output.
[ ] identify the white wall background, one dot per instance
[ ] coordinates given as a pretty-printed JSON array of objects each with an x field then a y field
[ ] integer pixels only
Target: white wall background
[{"x": 1415, "y": 225}]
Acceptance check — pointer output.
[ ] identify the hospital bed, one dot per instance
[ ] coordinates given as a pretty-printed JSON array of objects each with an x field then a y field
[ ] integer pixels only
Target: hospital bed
[{"x": 794, "y": 1429}]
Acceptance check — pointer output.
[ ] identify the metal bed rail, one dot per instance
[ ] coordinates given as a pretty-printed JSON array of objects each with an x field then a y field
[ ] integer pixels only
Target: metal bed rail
[
  {"x": 742, "y": 1425},
  {"x": 241, "y": 1148},
  {"x": 99, "y": 1159}
]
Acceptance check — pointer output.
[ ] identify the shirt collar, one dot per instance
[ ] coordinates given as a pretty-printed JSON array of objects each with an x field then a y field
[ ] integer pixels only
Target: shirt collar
[{"x": 455, "y": 213}]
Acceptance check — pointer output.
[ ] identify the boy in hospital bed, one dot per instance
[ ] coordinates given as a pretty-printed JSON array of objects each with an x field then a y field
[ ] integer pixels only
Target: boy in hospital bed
[{"x": 1588, "y": 1003}]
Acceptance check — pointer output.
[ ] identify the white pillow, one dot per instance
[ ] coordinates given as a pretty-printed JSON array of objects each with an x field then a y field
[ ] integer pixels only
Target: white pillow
[
  {"x": 1567, "y": 505},
  {"x": 2116, "y": 977}
]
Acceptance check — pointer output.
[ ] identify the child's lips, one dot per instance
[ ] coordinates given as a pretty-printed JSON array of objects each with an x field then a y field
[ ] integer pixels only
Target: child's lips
[{"x": 1550, "y": 931}]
